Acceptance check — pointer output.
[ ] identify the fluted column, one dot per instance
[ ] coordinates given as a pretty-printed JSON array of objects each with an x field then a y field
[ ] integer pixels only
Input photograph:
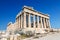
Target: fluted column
[
  {"x": 24, "y": 20},
  {"x": 38, "y": 21},
  {"x": 44, "y": 23},
  {"x": 34, "y": 21},
  {"x": 18, "y": 21},
  {"x": 21, "y": 21},
  {"x": 29, "y": 22},
  {"x": 49, "y": 24},
  {"x": 41, "y": 23}
]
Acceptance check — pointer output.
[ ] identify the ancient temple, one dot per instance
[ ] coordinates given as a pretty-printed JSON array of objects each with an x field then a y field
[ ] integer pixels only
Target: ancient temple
[{"x": 30, "y": 19}]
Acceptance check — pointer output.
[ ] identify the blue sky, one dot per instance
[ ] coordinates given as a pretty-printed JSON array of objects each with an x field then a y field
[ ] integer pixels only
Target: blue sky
[{"x": 10, "y": 8}]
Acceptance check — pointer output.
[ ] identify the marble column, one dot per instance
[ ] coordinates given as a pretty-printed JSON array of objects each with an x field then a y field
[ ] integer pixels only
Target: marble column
[
  {"x": 18, "y": 22},
  {"x": 37, "y": 21},
  {"x": 34, "y": 21},
  {"x": 21, "y": 21},
  {"x": 49, "y": 23},
  {"x": 24, "y": 20},
  {"x": 41, "y": 23},
  {"x": 44, "y": 23},
  {"x": 29, "y": 21}
]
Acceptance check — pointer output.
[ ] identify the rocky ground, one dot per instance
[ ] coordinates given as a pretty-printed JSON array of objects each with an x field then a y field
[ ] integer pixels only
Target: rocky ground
[{"x": 49, "y": 36}]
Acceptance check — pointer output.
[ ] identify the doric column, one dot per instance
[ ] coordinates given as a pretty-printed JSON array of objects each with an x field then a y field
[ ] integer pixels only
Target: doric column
[
  {"x": 34, "y": 21},
  {"x": 24, "y": 20},
  {"x": 29, "y": 21},
  {"x": 44, "y": 23},
  {"x": 49, "y": 23},
  {"x": 21, "y": 21},
  {"x": 37, "y": 21},
  {"x": 17, "y": 22},
  {"x": 41, "y": 23}
]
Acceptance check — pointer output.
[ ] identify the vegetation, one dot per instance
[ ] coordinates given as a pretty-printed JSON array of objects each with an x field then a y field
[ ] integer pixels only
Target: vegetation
[{"x": 24, "y": 34}]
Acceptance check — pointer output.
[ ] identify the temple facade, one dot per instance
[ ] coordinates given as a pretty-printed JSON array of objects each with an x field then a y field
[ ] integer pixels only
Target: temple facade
[{"x": 30, "y": 19}]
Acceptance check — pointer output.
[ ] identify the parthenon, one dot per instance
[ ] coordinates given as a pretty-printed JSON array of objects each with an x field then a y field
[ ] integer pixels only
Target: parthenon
[{"x": 30, "y": 19}]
